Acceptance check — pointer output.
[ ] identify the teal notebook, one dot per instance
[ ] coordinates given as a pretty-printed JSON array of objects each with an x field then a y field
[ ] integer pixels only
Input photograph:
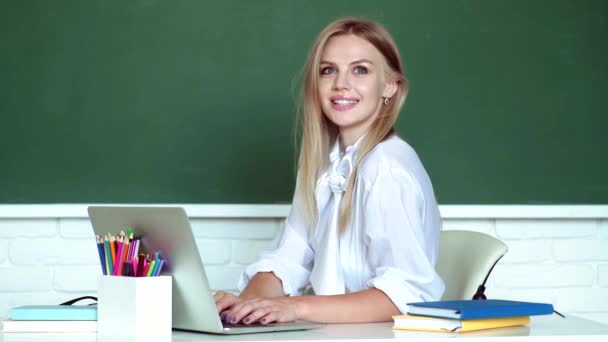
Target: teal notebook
[{"x": 54, "y": 313}]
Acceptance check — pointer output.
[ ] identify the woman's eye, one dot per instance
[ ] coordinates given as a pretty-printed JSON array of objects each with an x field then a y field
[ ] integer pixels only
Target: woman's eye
[
  {"x": 360, "y": 70},
  {"x": 327, "y": 71}
]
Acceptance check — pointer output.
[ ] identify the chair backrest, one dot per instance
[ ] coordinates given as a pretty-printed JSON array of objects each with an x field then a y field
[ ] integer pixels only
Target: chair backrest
[{"x": 465, "y": 261}]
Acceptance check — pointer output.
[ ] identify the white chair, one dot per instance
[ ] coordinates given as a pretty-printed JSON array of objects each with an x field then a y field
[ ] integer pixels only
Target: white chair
[{"x": 465, "y": 261}]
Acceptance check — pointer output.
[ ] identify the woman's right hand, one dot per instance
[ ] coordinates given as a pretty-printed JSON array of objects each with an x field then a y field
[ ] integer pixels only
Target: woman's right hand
[
  {"x": 262, "y": 284},
  {"x": 224, "y": 301}
]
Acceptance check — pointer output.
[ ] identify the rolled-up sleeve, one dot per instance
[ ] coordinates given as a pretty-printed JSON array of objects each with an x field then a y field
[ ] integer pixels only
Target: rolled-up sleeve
[
  {"x": 399, "y": 249},
  {"x": 290, "y": 256}
]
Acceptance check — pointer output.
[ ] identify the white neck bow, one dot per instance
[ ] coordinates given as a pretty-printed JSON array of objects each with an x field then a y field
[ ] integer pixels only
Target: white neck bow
[
  {"x": 341, "y": 168},
  {"x": 327, "y": 276}
]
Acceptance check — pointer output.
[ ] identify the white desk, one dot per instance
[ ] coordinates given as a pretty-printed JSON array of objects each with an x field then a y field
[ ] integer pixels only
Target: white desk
[{"x": 541, "y": 329}]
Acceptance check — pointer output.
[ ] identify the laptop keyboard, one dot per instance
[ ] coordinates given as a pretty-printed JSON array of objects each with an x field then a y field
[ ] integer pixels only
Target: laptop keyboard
[{"x": 241, "y": 325}]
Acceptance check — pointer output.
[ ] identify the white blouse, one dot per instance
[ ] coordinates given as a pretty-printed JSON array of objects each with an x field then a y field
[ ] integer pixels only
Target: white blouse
[{"x": 391, "y": 243}]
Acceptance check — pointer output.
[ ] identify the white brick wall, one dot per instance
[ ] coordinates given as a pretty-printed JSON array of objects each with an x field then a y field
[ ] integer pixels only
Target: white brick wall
[
  {"x": 246, "y": 251},
  {"x": 36, "y": 228},
  {"x": 580, "y": 250},
  {"x": 26, "y": 279},
  {"x": 540, "y": 275},
  {"x": 481, "y": 225},
  {"x": 602, "y": 275},
  {"x": 560, "y": 260},
  {"x": 546, "y": 228},
  {"x": 3, "y": 251},
  {"x": 52, "y": 251}
]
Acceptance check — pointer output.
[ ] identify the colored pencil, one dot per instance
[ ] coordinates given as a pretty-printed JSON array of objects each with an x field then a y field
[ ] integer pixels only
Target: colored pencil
[
  {"x": 160, "y": 267},
  {"x": 118, "y": 254},
  {"x": 108, "y": 256},
  {"x": 127, "y": 269},
  {"x": 151, "y": 268},
  {"x": 102, "y": 257},
  {"x": 156, "y": 264},
  {"x": 135, "y": 247},
  {"x": 123, "y": 255},
  {"x": 113, "y": 249},
  {"x": 140, "y": 265},
  {"x": 134, "y": 266},
  {"x": 146, "y": 269}
]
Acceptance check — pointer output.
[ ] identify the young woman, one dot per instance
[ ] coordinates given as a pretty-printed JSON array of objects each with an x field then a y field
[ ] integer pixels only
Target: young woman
[{"x": 363, "y": 229}]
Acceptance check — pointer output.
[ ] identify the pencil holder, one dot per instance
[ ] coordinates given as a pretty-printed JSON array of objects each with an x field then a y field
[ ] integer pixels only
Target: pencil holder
[{"x": 134, "y": 306}]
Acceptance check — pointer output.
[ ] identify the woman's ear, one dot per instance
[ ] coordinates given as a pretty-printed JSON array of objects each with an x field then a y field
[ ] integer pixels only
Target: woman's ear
[{"x": 390, "y": 88}]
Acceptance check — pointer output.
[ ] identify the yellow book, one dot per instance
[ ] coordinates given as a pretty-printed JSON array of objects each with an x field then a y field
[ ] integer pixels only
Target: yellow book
[{"x": 423, "y": 323}]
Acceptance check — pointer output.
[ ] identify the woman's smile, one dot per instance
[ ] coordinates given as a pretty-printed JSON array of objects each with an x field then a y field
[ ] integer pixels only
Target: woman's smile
[{"x": 343, "y": 103}]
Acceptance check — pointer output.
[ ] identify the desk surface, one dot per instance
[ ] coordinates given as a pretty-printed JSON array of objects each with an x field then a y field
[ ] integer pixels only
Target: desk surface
[{"x": 543, "y": 328}]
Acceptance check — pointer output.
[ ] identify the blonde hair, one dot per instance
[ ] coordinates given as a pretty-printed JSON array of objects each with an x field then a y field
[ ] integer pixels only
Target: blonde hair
[{"x": 319, "y": 134}]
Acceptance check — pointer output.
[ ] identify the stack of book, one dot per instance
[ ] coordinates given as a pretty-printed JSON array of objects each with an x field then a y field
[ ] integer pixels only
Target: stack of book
[
  {"x": 50, "y": 318},
  {"x": 468, "y": 315}
]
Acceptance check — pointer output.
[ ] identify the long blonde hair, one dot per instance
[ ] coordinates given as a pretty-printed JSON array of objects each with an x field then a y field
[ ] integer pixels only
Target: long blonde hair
[{"x": 319, "y": 134}]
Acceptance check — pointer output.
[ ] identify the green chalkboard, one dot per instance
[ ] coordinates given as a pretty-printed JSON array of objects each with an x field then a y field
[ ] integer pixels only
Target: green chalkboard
[{"x": 146, "y": 101}]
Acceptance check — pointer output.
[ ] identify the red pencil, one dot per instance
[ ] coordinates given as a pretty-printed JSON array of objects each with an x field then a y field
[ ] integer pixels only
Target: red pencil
[
  {"x": 140, "y": 265},
  {"x": 146, "y": 268},
  {"x": 134, "y": 266}
]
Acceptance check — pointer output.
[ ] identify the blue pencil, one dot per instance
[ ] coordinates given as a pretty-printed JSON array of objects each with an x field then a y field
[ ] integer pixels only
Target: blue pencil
[
  {"x": 159, "y": 268},
  {"x": 102, "y": 257}
]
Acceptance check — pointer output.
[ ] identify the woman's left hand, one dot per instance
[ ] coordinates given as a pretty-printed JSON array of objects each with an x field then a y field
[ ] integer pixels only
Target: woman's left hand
[{"x": 264, "y": 310}]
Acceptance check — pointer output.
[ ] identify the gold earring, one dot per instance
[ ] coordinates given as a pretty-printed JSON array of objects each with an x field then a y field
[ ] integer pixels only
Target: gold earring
[{"x": 386, "y": 99}]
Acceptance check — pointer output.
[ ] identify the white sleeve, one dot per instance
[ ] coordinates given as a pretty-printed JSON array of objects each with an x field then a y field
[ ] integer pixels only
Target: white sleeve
[
  {"x": 290, "y": 256},
  {"x": 399, "y": 249}
]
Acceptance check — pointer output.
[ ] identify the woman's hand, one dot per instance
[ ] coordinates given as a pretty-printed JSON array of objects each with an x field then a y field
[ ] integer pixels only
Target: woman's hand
[
  {"x": 371, "y": 305},
  {"x": 263, "y": 286},
  {"x": 225, "y": 301},
  {"x": 263, "y": 310}
]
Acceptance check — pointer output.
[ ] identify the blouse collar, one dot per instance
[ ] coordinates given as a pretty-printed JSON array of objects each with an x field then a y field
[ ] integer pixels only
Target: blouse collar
[
  {"x": 342, "y": 165},
  {"x": 351, "y": 150}
]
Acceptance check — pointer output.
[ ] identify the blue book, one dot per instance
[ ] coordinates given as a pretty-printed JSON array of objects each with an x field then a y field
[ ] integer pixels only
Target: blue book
[
  {"x": 54, "y": 313},
  {"x": 477, "y": 309}
]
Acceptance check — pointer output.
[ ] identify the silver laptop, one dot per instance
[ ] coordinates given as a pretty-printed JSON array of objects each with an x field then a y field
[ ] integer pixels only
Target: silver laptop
[{"x": 166, "y": 229}]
